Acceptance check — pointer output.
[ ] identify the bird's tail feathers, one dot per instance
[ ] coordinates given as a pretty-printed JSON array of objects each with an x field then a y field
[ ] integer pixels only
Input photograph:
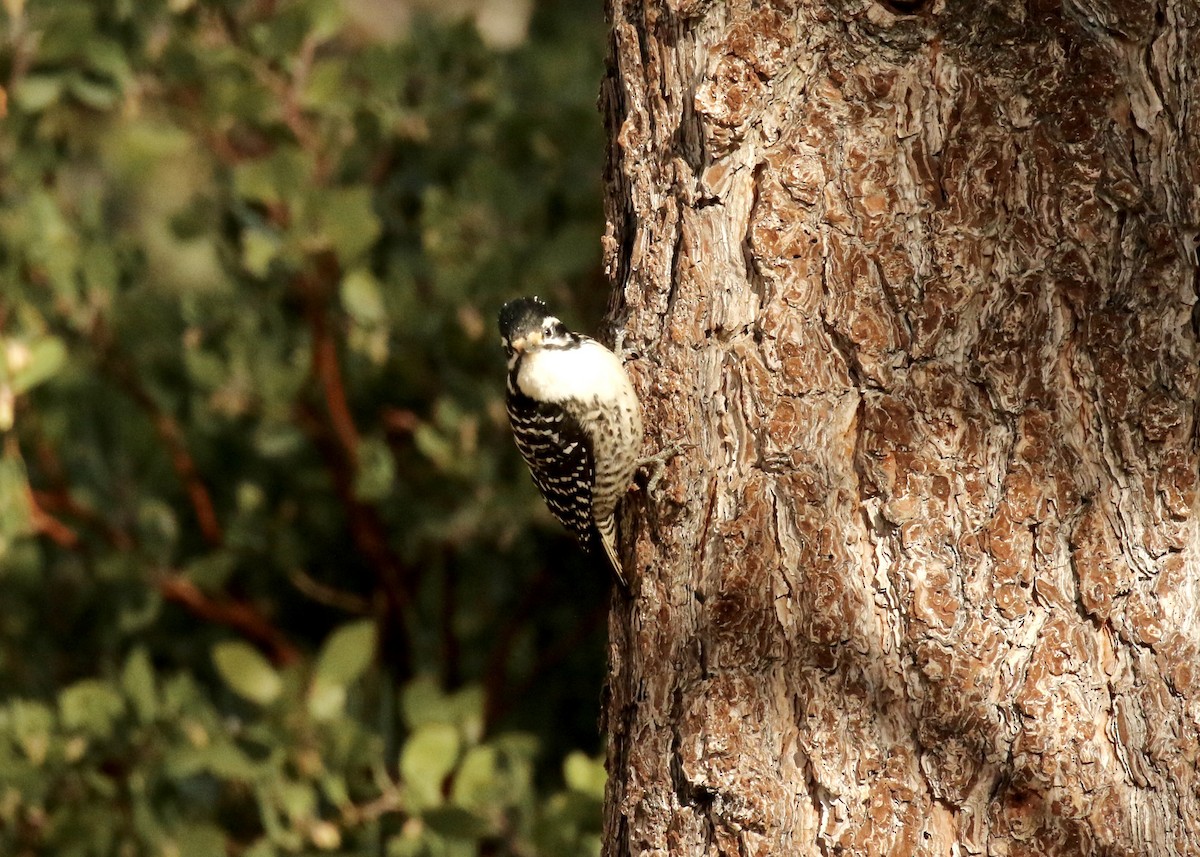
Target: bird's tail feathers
[{"x": 608, "y": 539}]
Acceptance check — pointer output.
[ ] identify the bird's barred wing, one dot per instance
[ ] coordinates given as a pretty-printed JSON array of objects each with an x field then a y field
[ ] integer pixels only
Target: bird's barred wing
[{"x": 559, "y": 455}]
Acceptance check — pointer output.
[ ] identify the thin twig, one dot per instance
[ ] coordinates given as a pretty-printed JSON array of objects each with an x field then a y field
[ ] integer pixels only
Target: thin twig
[
  {"x": 328, "y": 595},
  {"x": 325, "y": 366}
]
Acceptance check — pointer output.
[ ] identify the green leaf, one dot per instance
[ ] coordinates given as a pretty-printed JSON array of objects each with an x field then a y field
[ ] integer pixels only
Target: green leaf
[
  {"x": 325, "y": 87},
  {"x": 108, "y": 57},
  {"x": 40, "y": 362},
  {"x": 137, "y": 680},
  {"x": 91, "y": 706},
  {"x": 100, "y": 268},
  {"x": 15, "y": 512},
  {"x": 211, "y": 571},
  {"x": 478, "y": 783},
  {"x": 346, "y": 218},
  {"x": 326, "y": 701},
  {"x": 345, "y": 656},
  {"x": 98, "y": 96},
  {"x": 427, "y": 758},
  {"x": 455, "y": 822},
  {"x": 278, "y": 440},
  {"x": 205, "y": 369},
  {"x": 362, "y": 297},
  {"x": 435, "y": 446},
  {"x": 247, "y": 672},
  {"x": 31, "y": 724},
  {"x": 326, "y": 18},
  {"x": 376, "y": 473},
  {"x": 585, "y": 775},
  {"x": 158, "y": 526},
  {"x": 36, "y": 92},
  {"x": 261, "y": 848},
  {"x": 347, "y": 653},
  {"x": 274, "y": 179},
  {"x": 200, "y": 840},
  {"x": 517, "y": 747},
  {"x": 422, "y": 701},
  {"x": 222, "y": 759},
  {"x": 297, "y": 799},
  {"x": 259, "y": 249},
  {"x": 466, "y": 711}
]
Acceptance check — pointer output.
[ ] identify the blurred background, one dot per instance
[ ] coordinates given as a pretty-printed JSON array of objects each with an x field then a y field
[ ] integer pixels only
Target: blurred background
[{"x": 273, "y": 579}]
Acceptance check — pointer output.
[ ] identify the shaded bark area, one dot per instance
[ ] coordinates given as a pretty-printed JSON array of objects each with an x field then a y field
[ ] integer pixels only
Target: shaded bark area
[{"x": 918, "y": 281}]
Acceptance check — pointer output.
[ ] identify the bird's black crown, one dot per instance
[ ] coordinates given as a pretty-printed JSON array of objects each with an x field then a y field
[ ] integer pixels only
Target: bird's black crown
[{"x": 521, "y": 316}]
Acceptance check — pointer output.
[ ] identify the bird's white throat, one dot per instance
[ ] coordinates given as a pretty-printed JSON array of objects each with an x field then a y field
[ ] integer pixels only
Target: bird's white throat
[{"x": 588, "y": 372}]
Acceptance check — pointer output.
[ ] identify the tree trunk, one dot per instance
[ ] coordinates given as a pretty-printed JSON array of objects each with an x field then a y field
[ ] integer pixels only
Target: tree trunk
[{"x": 917, "y": 281}]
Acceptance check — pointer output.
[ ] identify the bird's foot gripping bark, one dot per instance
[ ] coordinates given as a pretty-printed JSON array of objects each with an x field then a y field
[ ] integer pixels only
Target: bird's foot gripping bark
[{"x": 653, "y": 465}]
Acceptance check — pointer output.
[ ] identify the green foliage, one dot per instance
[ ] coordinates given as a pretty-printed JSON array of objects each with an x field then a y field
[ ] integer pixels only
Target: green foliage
[
  {"x": 274, "y": 579},
  {"x": 178, "y": 773}
]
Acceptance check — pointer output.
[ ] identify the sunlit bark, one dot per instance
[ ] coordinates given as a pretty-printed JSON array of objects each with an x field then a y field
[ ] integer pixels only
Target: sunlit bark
[{"x": 916, "y": 281}]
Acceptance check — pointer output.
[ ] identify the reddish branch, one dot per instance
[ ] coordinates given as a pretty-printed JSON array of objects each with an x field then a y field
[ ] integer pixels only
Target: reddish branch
[
  {"x": 238, "y": 615},
  {"x": 171, "y": 435},
  {"x": 328, "y": 372},
  {"x": 58, "y": 501},
  {"x": 185, "y": 468},
  {"x": 369, "y": 535},
  {"x": 45, "y": 524},
  {"x": 399, "y": 421},
  {"x": 336, "y": 438}
]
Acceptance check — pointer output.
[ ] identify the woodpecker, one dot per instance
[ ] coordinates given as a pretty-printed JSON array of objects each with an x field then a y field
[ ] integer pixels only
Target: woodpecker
[{"x": 576, "y": 420}]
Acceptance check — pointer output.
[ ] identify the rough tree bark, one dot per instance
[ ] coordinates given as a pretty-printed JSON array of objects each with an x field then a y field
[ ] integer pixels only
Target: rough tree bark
[{"x": 918, "y": 280}]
